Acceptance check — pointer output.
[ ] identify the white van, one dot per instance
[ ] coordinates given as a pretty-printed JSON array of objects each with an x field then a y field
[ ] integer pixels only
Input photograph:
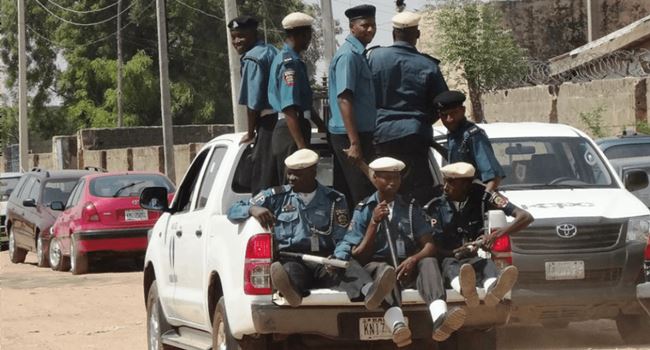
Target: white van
[{"x": 583, "y": 257}]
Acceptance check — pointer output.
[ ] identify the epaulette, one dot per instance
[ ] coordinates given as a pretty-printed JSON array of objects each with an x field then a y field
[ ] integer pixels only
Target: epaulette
[
  {"x": 286, "y": 58},
  {"x": 361, "y": 204},
  {"x": 437, "y": 61},
  {"x": 473, "y": 130},
  {"x": 334, "y": 195},
  {"x": 279, "y": 190},
  {"x": 432, "y": 203}
]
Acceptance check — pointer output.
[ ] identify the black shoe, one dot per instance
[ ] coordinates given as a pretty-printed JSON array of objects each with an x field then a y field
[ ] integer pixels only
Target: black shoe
[
  {"x": 448, "y": 323},
  {"x": 502, "y": 286},
  {"x": 282, "y": 283},
  {"x": 467, "y": 279},
  {"x": 401, "y": 335},
  {"x": 380, "y": 287}
]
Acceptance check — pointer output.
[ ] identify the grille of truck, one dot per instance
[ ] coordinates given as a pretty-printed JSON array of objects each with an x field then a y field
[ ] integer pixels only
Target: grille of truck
[
  {"x": 545, "y": 239},
  {"x": 593, "y": 278}
]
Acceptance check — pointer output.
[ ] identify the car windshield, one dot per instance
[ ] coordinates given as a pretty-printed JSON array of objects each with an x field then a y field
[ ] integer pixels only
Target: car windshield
[
  {"x": 127, "y": 185},
  {"x": 58, "y": 190},
  {"x": 551, "y": 162},
  {"x": 7, "y": 185}
]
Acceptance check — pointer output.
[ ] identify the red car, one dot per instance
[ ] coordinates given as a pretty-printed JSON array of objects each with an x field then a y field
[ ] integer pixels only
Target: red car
[{"x": 102, "y": 217}]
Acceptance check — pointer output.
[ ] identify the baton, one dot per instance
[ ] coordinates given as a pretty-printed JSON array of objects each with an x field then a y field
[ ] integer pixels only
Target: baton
[
  {"x": 477, "y": 242},
  {"x": 342, "y": 264}
]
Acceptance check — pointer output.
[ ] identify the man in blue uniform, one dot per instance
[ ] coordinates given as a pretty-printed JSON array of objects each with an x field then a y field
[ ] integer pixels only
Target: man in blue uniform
[
  {"x": 256, "y": 59},
  {"x": 387, "y": 214},
  {"x": 352, "y": 102},
  {"x": 467, "y": 142},
  {"x": 289, "y": 91},
  {"x": 406, "y": 82},
  {"x": 457, "y": 218},
  {"x": 307, "y": 217}
]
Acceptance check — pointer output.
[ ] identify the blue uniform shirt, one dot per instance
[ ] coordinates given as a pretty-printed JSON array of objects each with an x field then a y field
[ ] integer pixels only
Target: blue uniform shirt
[
  {"x": 289, "y": 82},
  {"x": 297, "y": 222},
  {"x": 470, "y": 144},
  {"x": 453, "y": 227},
  {"x": 349, "y": 70},
  {"x": 255, "y": 68},
  {"x": 407, "y": 221},
  {"x": 406, "y": 82}
]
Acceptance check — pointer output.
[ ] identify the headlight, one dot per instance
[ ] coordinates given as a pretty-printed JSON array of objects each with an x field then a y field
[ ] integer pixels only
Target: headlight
[{"x": 638, "y": 229}]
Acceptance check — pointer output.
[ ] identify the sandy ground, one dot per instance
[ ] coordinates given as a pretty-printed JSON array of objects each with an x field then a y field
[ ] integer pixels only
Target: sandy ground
[{"x": 44, "y": 309}]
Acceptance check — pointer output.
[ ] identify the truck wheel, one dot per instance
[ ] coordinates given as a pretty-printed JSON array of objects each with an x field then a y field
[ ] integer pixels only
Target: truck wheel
[
  {"x": 475, "y": 339},
  {"x": 17, "y": 255},
  {"x": 156, "y": 322},
  {"x": 223, "y": 339},
  {"x": 42, "y": 252},
  {"x": 78, "y": 260},
  {"x": 58, "y": 261},
  {"x": 634, "y": 328}
]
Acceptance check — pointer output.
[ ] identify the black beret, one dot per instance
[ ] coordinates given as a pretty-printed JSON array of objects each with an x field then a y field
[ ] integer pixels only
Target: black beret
[
  {"x": 243, "y": 22},
  {"x": 360, "y": 11},
  {"x": 449, "y": 99}
]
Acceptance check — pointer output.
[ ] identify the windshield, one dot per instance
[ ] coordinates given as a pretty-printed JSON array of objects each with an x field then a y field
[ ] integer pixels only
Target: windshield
[
  {"x": 58, "y": 190},
  {"x": 127, "y": 185},
  {"x": 7, "y": 185},
  {"x": 551, "y": 162}
]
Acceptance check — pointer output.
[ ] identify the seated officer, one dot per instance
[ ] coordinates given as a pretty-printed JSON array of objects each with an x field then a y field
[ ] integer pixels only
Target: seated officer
[
  {"x": 307, "y": 217},
  {"x": 413, "y": 247},
  {"x": 457, "y": 218}
]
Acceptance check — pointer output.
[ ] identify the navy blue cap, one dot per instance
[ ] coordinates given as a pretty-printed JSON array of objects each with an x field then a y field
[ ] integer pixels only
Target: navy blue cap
[
  {"x": 360, "y": 11},
  {"x": 449, "y": 99},
  {"x": 243, "y": 22}
]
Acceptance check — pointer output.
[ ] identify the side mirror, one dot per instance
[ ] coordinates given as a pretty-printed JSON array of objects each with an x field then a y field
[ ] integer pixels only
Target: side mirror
[
  {"x": 29, "y": 203},
  {"x": 154, "y": 198},
  {"x": 636, "y": 180},
  {"x": 57, "y": 205}
]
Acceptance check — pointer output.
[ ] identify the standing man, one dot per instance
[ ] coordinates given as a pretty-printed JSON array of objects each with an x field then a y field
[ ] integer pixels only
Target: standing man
[
  {"x": 256, "y": 59},
  {"x": 466, "y": 141},
  {"x": 458, "y": 219},
  {"x": 384, "y": 214},
  {"x": 406, "y": 82},
  {"x": 352, "y": 101},
  {"x": 289, "y": 91}
]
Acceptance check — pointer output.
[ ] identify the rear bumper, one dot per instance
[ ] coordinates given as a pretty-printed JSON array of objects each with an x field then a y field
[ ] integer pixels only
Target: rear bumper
[
  {"x": 643, "y": 295},
  {"x": 117, "y": 240}
]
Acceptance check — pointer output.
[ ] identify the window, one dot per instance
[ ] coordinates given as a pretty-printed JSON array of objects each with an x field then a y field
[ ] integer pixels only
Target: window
[
  {"x": 183, "y": 197},
  {"x": 7, "y": 185},
  {"x": 58, "y": 190},
  {"x": 75, "y": 195},
  {"x": 128, "y": 185},
  {"x": 628, "y": 151},
  {"x": 26, "y": 188},
  {"x": 34, "y": 190},
  {"x": 210, "y": 176}
]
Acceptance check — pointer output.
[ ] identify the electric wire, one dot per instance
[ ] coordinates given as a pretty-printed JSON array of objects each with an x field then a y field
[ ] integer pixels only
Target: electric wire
[
  {"x": 82, "y": 24},
  {"x": 81, "y": 12}
]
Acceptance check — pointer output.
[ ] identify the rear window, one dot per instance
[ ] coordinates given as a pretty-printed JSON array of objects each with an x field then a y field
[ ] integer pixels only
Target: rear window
[
  {"x": 127, "y": 185},
  {"x": 628, "y": 151},
  {"x": 57, "y": 190}
]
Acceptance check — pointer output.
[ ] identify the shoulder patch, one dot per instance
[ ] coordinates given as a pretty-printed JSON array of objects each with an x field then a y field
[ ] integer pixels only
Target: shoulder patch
[
  {"x": 341, "y": 217},
  {"x": 498, "y": 200},
  {"x": 289, "y": 77},
  {"x": 258, "y": 199}
]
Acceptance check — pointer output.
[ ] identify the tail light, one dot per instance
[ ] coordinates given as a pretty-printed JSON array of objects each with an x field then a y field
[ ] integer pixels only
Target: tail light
[
  {"x": 257, "y": 265},
  {"x": 647, "y": 249},
  {"x": 502, "y": 251},
  {"x": 89, "y": 213},
  {"x": 646, "y": 265}
]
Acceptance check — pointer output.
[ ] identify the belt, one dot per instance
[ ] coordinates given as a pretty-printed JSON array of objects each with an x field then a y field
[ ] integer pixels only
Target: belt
[
  {"x": 305, "y": 114},
  {"x": 266, "y": 112}
]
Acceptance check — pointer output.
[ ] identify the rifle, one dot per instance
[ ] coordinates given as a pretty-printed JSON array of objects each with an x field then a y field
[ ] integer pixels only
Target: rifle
[
  {"x": 467, "y": 248},
  {"x": 318, "y": 259}
]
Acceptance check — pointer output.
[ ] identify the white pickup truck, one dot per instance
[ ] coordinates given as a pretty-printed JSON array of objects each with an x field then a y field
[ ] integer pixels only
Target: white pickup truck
[{"x": 207, "y": 283}]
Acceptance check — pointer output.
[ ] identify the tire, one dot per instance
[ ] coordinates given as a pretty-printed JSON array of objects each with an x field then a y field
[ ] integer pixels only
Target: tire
[
  {"x": 42, "y": 252},
  {"x": 156, "y": 321},
  {"x": 633, "y": 329},
  {"x": 475, "y": 339},
  {"x": 16, "y": 255},
  {"x": 78, "y": 260},
  {"x": 58, "y": 261},
  {"x": 555, "y": 325},
  {"x": 223, "y": 339}
]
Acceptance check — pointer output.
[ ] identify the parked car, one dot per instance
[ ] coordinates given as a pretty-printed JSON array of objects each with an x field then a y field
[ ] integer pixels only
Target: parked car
[
  {"x": 103, "y": 218},
  {"x": 629, "y": 153},
  {"x": 583, "y": 257},
  {"x": 207, "y": 283},
  {"x": 29, "y": 216},
  {"x": 8, "y": 182}
]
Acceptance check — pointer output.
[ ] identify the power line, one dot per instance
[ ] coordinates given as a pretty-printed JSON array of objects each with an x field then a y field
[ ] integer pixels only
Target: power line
[
  {"x": 81, "y": 12},
  {"x": 82, "y": 24},
  {"x": 199, "y": 10}
]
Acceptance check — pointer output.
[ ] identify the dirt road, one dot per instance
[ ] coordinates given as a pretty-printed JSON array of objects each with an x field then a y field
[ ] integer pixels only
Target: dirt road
[{"x": 42, "y": 309}]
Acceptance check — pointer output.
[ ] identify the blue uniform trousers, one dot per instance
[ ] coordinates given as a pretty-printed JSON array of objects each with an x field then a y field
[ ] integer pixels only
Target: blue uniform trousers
[
  {"x": 484, "y": 268},
  {"x": 283, "y": 145},
  {"x": 349, "y": 179},
  {"x": 264, "y": 172}
]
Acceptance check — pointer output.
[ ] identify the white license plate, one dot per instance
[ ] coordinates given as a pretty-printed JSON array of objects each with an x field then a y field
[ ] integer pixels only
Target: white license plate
[
  {"x": 374, "y": 328},
  {"x": 136, "y": 215},
  {"x": 565, "y": 270}
]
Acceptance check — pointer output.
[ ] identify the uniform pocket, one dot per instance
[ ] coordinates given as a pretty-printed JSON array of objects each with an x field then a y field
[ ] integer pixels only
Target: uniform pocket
[{"x": 286, "y": 223}]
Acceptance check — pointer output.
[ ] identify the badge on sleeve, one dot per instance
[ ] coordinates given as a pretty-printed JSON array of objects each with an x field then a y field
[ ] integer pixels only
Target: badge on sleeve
[
  {"x": 341, "y": 216},
  {"x": 258, "y": 200},
  {"x": 499, "y": 200},
  {"x": 289, "y": 77}
]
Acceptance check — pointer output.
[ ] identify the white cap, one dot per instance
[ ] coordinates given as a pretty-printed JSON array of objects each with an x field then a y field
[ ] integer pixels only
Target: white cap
[
  {"x": 297, "y": 19},
  {"x": 458, "y": 170},
  {"x": 405, "y": 19},
  {"x": 301, "y": 159},
  {"x": 387, "y": 164}
]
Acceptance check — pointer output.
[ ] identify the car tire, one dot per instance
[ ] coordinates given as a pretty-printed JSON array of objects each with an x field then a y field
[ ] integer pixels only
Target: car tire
[
  {"x": 475, "y": 339},
  {"x": 156, "y": 321},
  {"x": 222, "y": 337},
  {"x": 42, "y": 252},
  {"x": 16, "y": 255},
  {"x": 58, "y": 261},
  {"x": 633, "y": 329},
  {"x": 78, "y": 260}
]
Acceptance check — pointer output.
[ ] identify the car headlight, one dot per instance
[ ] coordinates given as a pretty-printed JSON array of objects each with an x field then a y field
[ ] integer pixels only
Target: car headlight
[{"x": 638, "y": 229}]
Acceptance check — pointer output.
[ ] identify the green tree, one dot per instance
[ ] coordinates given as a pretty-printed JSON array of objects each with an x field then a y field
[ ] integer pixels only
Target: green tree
[{"x": 471, "y": 37}]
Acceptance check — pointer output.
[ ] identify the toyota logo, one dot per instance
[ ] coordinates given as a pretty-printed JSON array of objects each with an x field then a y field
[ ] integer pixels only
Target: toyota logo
[{"x": 566, "y": 230}]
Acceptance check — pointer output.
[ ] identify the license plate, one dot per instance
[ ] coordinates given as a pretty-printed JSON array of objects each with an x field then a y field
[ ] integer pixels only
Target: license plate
[
  {"x": 136, "y": 215},
  {"x": 374, "y": 328},
  {"x": 565, "y": 270}
]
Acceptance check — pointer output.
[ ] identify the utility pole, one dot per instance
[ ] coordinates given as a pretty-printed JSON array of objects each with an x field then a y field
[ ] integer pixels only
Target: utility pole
[
  {"x": 165, "y": 97},
  {"x": 23, "y": 133},
  {"x": 119, "y": 64},
  {"x": 239, "y": 114},
  {"x": 329, "y": 43}
]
